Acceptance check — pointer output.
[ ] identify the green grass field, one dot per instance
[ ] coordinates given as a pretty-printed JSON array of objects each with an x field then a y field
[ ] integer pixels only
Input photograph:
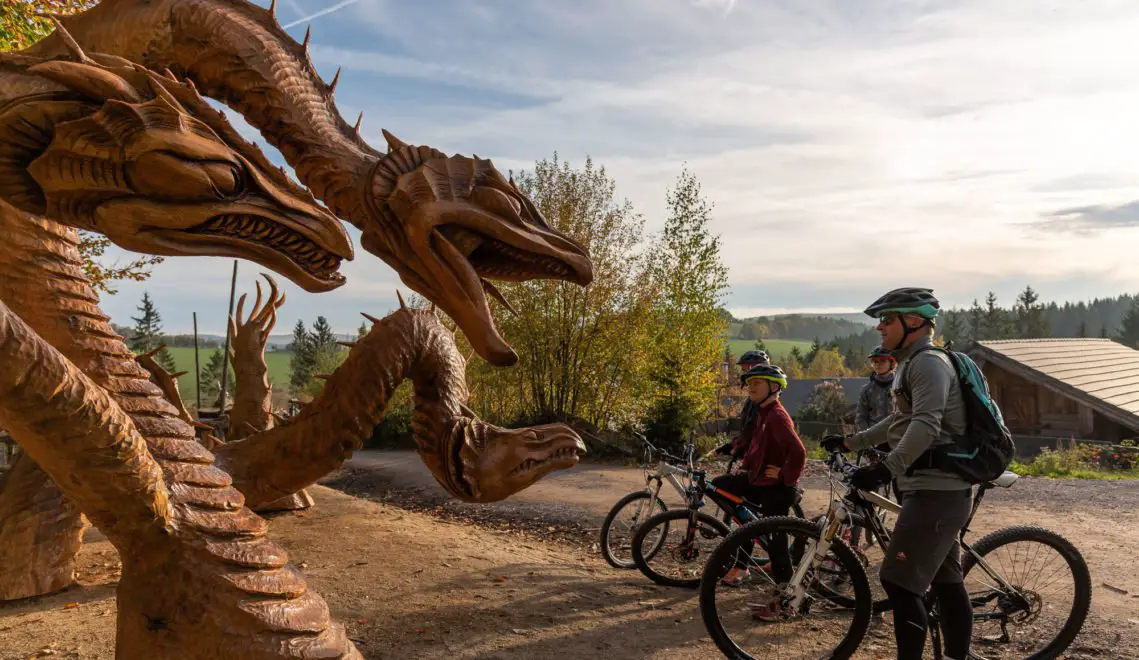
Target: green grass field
[
  {"x": 277, "y": 361},
  {"x": 778, "y": 349}
]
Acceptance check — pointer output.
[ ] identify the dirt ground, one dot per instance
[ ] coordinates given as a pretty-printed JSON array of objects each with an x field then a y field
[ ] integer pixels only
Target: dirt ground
[{"x": 415, "y": 575}]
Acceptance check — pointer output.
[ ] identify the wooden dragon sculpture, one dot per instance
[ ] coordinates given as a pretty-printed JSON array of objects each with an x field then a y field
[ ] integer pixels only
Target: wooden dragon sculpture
[{"x": 94, "y": 141}]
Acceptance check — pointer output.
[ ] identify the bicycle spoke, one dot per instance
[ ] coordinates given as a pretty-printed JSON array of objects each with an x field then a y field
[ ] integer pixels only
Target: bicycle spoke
[
  {"x": 1047, "y": 586},
  {"x": 814, "y": 630}
]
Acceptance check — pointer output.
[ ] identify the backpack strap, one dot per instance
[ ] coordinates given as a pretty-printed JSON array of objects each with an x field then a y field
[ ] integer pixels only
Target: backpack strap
[{"x": 928, "y": 460}]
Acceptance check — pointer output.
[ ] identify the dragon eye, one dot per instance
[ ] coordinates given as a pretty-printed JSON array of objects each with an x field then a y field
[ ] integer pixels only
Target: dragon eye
[
  {"x": 166, "y": 174},
  {"x": 226, "y": 178}
]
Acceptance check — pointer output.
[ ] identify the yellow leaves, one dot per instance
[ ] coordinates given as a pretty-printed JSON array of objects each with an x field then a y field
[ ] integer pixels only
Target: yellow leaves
[
  {"x": 92, "y": 247},
  {"x": 22, "y": 22},
  {"x": 827, "y": 362}
]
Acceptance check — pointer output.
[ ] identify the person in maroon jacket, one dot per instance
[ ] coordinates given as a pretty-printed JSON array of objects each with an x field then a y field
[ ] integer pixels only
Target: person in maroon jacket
[{"x": 773, "y": 461}]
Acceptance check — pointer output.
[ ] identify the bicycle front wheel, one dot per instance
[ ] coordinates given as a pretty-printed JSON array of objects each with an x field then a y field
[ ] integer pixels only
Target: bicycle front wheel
[
  {"x": 757, "y": 619},
  {"x": 621, "y": 524},
  {"x": 1051, "y": 593},
  {"x": 670, "y": 548}
]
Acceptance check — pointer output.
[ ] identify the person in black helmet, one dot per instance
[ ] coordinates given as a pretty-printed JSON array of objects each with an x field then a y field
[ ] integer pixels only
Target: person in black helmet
[
  {"x": 924, "y": 553},
  {"x": 771, "y": 468},
  {"x": 738, "y": 446},
  {"x": 875, "y": 401}
]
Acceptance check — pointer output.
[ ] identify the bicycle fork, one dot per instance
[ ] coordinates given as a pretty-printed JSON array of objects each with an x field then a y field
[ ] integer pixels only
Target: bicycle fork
[
  {"x": 650, "y": 503},
  {"x": 817, "y": 550}
]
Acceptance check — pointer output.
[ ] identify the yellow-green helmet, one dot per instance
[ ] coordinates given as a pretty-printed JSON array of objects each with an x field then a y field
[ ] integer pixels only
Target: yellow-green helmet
[{"x": 766, "y": 372}]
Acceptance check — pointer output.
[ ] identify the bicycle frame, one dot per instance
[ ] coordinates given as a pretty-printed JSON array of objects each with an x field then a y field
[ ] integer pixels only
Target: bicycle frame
[
  {"x": 731, "y": 504},
  {"x": 665, "y": 471},
  {"x": 858, "y": 507}
]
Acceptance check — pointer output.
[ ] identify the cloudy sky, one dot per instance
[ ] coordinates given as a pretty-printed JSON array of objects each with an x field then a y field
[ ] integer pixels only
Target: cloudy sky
[{"x": 849, "y": 146}]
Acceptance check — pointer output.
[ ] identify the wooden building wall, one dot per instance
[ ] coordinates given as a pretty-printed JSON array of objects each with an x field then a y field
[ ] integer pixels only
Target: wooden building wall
[{"x": 1032, "y": 409}]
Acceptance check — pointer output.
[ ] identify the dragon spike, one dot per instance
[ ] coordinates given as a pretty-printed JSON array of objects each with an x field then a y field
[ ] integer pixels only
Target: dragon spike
[
  {"x": 497, "y": 295},
  {"x": 359, "y": 119},
  {"x": 322, "y": 376},
  {"x": 335, "y": 79},
  {"x": 69, "y": 41},
  {"x": 347, "y": 344},
  {"x": 304, "y": 46},
  {"x": 369, "y": 317},
  {"x": 199, "y": 425},
  {"x": 402, "y": 305},
  {"x": 467, "y": 411},
  {"x": 155, "y": 351},
  {"x": 161, "y": 92},
  {"x": 393, "y": 142},
  {"x": 273, "y": 9},
  {"x": 277, "y": 418},
  {"x": 170, "y": 74},
  {"x": 179, "y": 374}
]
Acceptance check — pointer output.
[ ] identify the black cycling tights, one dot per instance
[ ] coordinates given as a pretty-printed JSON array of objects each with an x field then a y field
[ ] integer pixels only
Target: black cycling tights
[{"x": 910, "y": 622}]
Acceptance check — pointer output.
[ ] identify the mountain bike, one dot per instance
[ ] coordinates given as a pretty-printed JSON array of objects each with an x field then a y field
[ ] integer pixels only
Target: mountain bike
[
  {"x": 701, "y": 532},
  {"x": 998, "y": 594},
  {"x": 638, "y": 506}
]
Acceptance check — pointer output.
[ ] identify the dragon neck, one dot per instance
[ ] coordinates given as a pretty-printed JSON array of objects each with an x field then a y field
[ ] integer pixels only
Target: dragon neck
[
  {"x": 407, "y": 344},
  {"x": 42, "y": 263},
  {"x": 237, "y": 53},
  {"x": 216, "y": 537}
]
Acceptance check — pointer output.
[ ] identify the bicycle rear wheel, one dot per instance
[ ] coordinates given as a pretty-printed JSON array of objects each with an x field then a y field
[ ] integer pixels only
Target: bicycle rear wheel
[
  {"x": 621, "y": 524},
  {"x": 1047, "y": 572},
  {"x": 817, "y": 628}
]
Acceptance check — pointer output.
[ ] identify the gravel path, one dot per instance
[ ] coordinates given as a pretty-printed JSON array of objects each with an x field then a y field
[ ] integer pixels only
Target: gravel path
[{"x": 1099, "y": 517}]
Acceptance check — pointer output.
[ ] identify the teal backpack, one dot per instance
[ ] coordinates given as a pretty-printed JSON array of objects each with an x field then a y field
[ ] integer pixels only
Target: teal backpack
[{"x": 983, "y": 452}]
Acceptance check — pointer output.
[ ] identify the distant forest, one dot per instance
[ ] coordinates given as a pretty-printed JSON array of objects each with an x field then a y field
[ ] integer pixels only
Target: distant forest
[{"x": 1027, "y": 318}]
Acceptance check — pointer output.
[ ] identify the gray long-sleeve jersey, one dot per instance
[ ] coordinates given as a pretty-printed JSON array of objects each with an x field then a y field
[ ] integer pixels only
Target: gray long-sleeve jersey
[{"x": 928, "y": 412}]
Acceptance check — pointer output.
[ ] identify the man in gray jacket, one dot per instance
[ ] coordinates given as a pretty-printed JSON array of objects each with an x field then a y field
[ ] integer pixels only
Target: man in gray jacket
[{"x": 924, "y": 551}]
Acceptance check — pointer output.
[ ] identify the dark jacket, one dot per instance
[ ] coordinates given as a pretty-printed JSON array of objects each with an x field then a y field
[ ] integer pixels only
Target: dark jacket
[
  {"x": 774, "y": 442},
  {"x": 875, "y": 401}
]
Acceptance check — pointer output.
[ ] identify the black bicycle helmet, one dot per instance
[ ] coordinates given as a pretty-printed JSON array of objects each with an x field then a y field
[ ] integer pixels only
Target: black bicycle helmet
[
  {"x": 881, "y": 352},
  {"x": 907, "y": 300},
  {"x": 766, "y": 372},
  {"x": 755, "y": 357}
]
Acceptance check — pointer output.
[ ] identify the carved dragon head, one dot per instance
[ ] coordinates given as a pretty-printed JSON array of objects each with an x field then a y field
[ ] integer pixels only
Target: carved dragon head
[
  {"x": 486, "y": 463},
  {"x": 451, "y": 224},
  {"x": 156, "y": 170}
]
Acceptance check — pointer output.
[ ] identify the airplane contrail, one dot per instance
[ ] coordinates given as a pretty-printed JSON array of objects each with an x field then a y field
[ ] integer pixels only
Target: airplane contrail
[{"x": 336, "y": 7}]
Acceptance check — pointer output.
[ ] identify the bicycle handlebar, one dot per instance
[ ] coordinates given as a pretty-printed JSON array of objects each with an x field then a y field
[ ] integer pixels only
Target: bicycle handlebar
[{"x": 838, "y": 463}]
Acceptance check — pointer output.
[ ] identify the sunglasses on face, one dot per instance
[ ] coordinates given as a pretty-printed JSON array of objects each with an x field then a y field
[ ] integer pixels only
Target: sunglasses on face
[{"x": 887, "y": 319}]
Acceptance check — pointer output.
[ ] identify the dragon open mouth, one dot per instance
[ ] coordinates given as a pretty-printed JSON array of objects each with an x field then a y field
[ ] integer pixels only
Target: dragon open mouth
[
  {"x": 533, "y": 464},
  {"x": 499, "y": 260},
  {"x": 301, "y": 250},
  {"x": 485, "y": 463}
]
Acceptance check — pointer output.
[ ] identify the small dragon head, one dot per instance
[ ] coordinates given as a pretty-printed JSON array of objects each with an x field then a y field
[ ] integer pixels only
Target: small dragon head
[
  {"x": 158, "y": 171},
  {"x": 449, "y": 224},
  {"x": 485, "y": 463}
]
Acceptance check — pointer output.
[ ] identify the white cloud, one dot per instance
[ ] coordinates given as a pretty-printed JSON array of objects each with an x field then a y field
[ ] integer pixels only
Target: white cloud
[{"x": 861, "y": 143}]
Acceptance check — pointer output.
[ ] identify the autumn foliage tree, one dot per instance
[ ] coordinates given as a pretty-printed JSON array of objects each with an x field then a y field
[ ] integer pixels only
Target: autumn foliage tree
[
  {"x": 580, "y": 349},
  {"x": 689, "y": 280}
]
